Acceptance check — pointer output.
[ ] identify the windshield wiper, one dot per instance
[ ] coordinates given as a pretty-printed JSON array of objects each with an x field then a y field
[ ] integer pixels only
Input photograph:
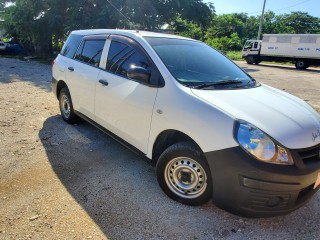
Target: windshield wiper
[{"x": 210, "y": 84}]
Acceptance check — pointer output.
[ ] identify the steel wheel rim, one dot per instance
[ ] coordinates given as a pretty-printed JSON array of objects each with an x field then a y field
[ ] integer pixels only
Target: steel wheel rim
[
  {"x": 65, "y": 106},
  {"x": 185, "y": 177}
]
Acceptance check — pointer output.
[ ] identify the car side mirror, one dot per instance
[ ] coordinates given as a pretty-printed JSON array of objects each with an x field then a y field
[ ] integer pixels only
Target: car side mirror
[{"x": 138, "y": 73}]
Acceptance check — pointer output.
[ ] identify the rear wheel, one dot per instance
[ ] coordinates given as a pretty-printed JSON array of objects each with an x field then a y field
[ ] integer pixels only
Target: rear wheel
[
  {"x": 66, "y": 107},
  {"x": 301, "y": 64},
  {"x": 184, "y": 175}
]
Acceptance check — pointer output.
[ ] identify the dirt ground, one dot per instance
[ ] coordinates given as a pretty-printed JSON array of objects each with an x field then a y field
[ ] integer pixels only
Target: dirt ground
[{"x": 59, "y": 181}]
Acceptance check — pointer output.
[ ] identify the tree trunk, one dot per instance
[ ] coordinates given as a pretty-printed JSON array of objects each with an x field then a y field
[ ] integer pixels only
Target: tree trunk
[{"x": 43, "y": 47}]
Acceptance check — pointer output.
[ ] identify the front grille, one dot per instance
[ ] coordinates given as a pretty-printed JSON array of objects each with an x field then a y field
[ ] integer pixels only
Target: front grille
[{"x": 310, "y": 155}]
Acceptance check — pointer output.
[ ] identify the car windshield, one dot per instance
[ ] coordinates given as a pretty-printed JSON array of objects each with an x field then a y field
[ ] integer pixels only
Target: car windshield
[
  {"x": 248, "y": 45},
  {"x": 195, "y": 64}
]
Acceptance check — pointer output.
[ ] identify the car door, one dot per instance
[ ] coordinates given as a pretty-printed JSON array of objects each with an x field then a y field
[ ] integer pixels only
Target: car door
[
  {"x": 122, "y": 105},
  {"x": 82, "y": 73}
]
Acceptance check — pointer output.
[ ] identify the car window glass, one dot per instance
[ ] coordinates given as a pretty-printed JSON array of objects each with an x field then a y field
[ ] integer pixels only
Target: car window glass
[
  {"x": 192, "y": 62},
  {"x": 71, "y": 45},
  {"x": 91, "y": 52},
  {"x": 248, "y": 45},
  {"x": 121, "y": 57}
]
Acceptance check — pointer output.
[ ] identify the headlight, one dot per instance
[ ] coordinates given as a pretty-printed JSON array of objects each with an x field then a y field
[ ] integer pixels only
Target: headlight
[{"x": 260, "y": 145}]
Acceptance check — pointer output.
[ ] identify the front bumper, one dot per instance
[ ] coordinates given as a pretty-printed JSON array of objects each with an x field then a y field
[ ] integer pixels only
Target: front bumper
[{"x": 250, "y": 188}]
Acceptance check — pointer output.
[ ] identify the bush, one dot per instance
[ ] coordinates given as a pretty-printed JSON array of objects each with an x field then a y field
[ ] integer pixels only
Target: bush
[
  {"x": 224, "y": 44},
  {"x": 234, "y": 55}
]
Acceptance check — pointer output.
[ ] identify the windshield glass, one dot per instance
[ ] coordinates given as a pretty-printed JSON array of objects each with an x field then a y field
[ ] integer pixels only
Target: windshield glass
[
  {"x": 195, "y": 64},
  {"x": 248, "y": 45}
]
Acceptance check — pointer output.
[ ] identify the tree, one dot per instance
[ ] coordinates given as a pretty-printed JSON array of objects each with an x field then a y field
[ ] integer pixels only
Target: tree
[
  {"x": 224, "y": 44},
  {"x": 229, "y": 31},
  {"x": 299, "y": 23},
  {"x": 41, "y": 21},
  {"x": 226, "y": 24},
  {"x": 187, "y": 29}
]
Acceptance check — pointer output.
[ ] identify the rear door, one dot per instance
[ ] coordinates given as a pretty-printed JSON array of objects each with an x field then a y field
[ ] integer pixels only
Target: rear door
[
  {"x": 82, "y": 73},
  {"x": 124, "y": 106},
  {"x": 65, "y": 58}
]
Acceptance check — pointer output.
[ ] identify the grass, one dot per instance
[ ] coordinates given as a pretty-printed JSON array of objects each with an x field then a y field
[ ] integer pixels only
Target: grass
[{"x": 234, "y": 55}]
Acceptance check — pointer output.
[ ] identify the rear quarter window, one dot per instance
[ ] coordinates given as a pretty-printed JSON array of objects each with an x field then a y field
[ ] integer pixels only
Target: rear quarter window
[
  {"x": 71, "y": 45},
  {"x": 90, "y": 51}
]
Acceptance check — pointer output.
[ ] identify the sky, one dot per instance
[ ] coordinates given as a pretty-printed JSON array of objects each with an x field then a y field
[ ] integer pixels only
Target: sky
[{"x": 254, "y": 7}]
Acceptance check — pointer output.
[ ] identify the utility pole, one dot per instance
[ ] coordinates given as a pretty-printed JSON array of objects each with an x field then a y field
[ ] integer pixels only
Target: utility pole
[{"x": 261, "y": 21}]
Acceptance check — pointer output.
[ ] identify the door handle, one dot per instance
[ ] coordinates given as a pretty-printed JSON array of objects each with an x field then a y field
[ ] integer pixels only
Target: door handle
[
  {"x": 103, "y": 82},
  {"x": 71, "y": 69}
]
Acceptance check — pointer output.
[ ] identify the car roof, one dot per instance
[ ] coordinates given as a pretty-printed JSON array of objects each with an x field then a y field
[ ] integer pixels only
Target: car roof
[{"x": 129, "y": 33}]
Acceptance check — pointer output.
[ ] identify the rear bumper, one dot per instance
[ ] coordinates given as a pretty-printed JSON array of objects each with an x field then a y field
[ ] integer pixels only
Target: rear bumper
[
  {"x": 54, "y": 83},
  {"x": 249, "y": 188}
]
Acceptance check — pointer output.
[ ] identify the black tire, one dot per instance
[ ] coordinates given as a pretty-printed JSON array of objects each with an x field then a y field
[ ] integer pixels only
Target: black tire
[
  {"x": 184, "y": 175},
  {"x": 250, "y": 59},
  {"x": 66, "y": 107},
  {"x": 257, "y": 61},
  {"x": 301, "y": 64}
]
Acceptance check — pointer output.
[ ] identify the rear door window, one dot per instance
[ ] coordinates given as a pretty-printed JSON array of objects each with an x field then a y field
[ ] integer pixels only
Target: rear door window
[{"x": 90, "y": 51}]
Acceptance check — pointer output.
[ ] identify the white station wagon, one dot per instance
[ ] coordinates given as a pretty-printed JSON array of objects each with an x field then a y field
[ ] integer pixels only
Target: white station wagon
[{"x": 212, "y": 131}]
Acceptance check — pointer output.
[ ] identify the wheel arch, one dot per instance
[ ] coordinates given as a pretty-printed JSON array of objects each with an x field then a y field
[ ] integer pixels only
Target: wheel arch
[
  {"x": 61, "y": 84},
  {"x": 167, "y": 138}
]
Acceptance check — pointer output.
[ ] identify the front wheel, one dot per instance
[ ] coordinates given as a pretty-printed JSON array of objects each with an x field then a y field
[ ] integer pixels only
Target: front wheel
[
  {"x": 250, "y": 59},
  {"x": 257, "y": 61},
  {"x": 184, "y": 175}
]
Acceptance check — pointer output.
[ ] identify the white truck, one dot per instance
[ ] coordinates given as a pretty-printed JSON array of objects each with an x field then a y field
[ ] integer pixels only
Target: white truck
[{"x": 301, "y": 49}]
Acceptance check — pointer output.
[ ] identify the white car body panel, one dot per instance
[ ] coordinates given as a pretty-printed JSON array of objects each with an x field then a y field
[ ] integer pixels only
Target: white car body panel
[
  {"x": 282, "y": 116},
  {"x": 120, "y": 108},
  {"x": 58, "y": 68},
  {"x": 82, "y": 82},
  {"x": 184, "y": 112}
]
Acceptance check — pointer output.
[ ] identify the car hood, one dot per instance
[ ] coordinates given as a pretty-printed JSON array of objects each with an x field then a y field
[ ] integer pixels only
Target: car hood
[{"x": 287, "y": 119}]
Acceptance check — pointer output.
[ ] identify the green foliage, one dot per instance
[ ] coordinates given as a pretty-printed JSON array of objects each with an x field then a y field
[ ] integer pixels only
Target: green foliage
[
  {"x": 187, "y": 29},
  {"x": 299, "y": 23},
  {"x": 225, "y": 43},
  {"x": 45, "y": 24},
  {"x": 41, "y": 23},
  {"x": 226, "y": 24},
  {"x": 235, "y": 55},
  {"x": 228, "y": 32}
]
